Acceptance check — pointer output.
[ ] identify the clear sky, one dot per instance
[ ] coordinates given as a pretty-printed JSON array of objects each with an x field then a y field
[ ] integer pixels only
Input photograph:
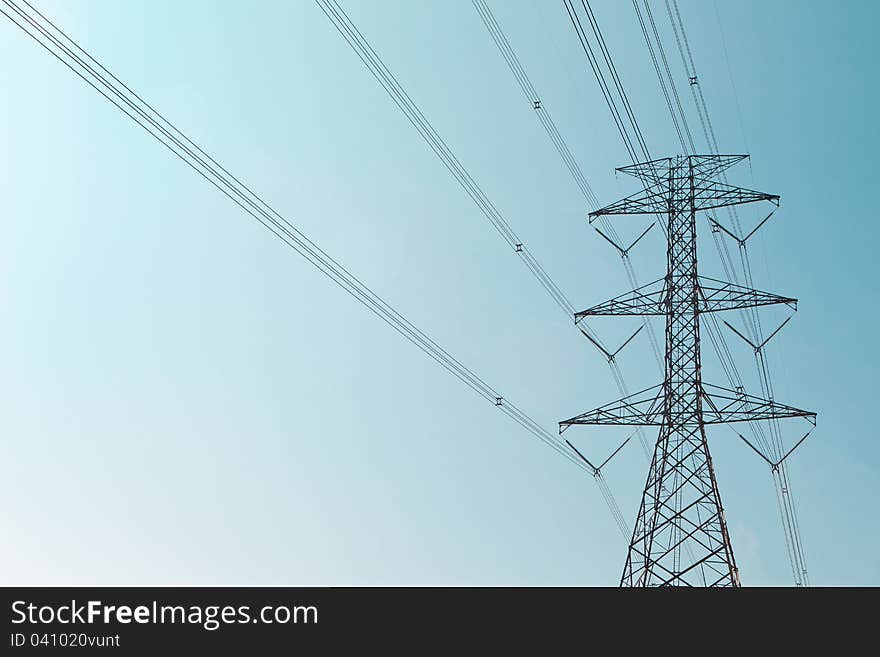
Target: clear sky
[{"x": 185, "y": 400}]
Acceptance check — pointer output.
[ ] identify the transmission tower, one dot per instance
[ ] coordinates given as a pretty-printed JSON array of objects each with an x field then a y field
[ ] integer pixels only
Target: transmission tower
[{"x": 680, "y": 535}]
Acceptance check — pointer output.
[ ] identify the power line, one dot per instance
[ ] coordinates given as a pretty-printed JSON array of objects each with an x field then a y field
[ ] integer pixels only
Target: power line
[
  {"x": 534, "y": 99},
  {"x": 751, "y": 317},
  {"x": 42, "y": 30},
  {"x": 389, "y": 82},
  {"x": 603, "y": 48},
  {"x": 401, "y": 98},
  {"x": 670, "y": 92},
  {"x": 625, "y": 125},
  {"x": 607, "y": 93},
  {"x": 542, "y": 112},
  {"x": 730, "y": 75}
]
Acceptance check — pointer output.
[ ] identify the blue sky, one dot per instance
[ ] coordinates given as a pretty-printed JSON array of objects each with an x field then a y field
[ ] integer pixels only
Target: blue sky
[{"x": 184, "y": 400}]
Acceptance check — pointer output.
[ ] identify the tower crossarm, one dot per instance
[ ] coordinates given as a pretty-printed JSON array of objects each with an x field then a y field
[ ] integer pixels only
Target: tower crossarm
[
  {"x": 644, "y": 408},
  {"x": 703, "y": 166},
  {"x": 650, "y": 200},
  {"x": 724, "y": 406},
  {"x": 645, "y": 300},
  {"x": 718, "y": 295},
  {"x": 710, "y": 194},
  {"x": 714, "y": 296}
]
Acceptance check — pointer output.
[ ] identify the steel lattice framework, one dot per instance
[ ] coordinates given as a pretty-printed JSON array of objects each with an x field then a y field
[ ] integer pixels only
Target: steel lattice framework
[{"x": 680, "y": 536}]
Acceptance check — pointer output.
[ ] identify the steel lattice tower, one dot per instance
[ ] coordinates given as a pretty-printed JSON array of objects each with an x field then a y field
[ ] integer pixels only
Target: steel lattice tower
[{"x": 680, "y": 535}]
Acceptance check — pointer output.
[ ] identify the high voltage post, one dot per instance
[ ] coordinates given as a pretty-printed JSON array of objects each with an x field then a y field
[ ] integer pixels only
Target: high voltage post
[{"x": 680, "y": 536}]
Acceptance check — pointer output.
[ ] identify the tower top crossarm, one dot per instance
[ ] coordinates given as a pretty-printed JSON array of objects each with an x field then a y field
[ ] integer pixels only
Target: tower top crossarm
[
  {"x": 704, "y": 165},
  {"x": 659, "y": 175}
]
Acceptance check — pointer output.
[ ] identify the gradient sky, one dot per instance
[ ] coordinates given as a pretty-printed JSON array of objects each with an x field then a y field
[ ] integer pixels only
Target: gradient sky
[{"x": 183, "y": 400}]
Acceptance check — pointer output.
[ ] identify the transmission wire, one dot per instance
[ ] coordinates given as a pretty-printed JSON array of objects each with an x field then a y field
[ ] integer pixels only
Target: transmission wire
[{"x": 131, "y": 104}]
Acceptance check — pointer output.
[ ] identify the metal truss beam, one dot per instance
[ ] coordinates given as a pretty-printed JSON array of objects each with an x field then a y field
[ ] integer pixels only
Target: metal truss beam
[
  {"x": 722, "y": 406},
  {"x": 713, "y": 296}
]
